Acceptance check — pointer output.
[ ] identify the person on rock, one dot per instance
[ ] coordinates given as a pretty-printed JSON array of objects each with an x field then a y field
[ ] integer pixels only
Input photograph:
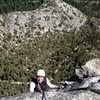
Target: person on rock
[{"x": 41, "y": 82}]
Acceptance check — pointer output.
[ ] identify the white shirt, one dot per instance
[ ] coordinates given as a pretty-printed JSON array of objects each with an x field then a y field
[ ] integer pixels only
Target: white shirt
[{"x": 32, "y": 85}]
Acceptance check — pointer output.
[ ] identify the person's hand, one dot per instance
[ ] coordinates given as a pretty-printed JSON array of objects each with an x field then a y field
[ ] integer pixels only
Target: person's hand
[{"x": 61, "y": 86}]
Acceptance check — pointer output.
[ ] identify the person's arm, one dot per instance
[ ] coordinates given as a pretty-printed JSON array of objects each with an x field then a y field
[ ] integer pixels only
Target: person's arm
[
  {"x": 32, "y": 86},
  {"x": 51, "y": 85}
]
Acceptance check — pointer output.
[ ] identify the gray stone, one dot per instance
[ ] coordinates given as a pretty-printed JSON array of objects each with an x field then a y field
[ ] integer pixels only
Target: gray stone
[
  {"x": 94, "y": 22},
  {"x": 54, "y": 95},
  {"x": 90, "y": 69},
  {"x": 95, "y": 87},
  {"x": 85, "y": 76},
  {"x": 87, "y": 81}
]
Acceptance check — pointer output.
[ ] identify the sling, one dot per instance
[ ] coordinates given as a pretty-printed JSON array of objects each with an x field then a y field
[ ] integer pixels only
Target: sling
[{"x": 43, "y": 93}]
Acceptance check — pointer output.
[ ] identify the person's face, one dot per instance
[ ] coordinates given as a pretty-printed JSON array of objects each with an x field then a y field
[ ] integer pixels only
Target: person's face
[{"x": 40, "y": 79}]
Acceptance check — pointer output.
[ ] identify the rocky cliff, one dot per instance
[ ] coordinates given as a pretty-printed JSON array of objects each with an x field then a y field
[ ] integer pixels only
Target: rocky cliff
[{"x": 52, "y": 16}]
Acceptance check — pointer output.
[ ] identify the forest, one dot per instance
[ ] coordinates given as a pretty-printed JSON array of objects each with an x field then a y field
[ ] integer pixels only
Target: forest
[{"x": 18, "y": 5}]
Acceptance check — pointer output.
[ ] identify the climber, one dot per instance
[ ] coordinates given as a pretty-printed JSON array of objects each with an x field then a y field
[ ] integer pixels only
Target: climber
[{"x": 39, "y": 84}]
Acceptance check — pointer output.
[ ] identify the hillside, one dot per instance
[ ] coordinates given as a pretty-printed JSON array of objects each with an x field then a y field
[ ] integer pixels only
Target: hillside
[
  {"x": 18, "y": 5},
  {"x": 89, "y": 7},
  {"x": 53, "y": 16},
  {"x": 56, "y": 37}
]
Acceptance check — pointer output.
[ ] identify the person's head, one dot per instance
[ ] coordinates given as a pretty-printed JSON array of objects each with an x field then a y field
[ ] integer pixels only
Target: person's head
[{"x": 40, "y": 75}]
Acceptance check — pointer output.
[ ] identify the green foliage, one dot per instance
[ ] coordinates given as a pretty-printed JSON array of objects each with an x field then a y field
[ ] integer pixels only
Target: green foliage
[
  {"x": 8, "y": 89},
  {"x": 58, "y": 54},
  {"x": 18, "y": 5},
  {"x": 89, "y": 7}
]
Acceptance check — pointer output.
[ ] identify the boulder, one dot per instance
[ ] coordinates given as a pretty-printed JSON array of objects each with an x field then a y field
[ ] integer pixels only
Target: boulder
[
  {"x": 90, "y": 69},
  {"x": 85, "y": 76}
]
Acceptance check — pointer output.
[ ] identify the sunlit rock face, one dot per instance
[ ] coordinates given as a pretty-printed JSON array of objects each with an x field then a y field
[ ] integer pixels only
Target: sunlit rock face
[
  {"x": 54, "y": 16},
  {"x": 90, "y": 69}
]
